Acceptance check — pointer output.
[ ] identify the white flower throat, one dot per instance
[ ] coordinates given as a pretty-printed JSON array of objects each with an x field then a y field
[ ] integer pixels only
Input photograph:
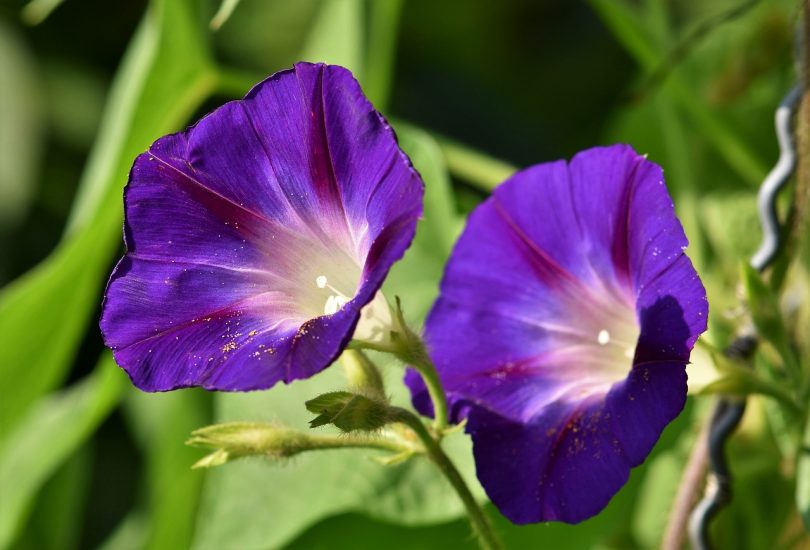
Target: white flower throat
[
  {"x": 335, "y": 301},
  {"x": 376, "y": 321}
]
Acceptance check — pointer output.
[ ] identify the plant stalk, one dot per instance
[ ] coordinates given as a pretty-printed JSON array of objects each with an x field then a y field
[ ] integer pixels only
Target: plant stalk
[{"x": 481, "y": 525}]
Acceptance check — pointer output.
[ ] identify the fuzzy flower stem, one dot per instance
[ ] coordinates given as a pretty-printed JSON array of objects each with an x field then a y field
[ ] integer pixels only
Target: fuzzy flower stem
[
  {"x": 351, "y": 441},
  {"x": 429, "y": 375},
  {"x": 410, "y": 349},
  {"x": 478, "y": 519}
]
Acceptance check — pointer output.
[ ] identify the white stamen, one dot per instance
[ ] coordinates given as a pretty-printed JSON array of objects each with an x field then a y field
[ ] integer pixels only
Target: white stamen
[
  {"x": 603, "y": 337},
  {"x": 321, "y": 281},
  {"x": 333, "y": 304}
]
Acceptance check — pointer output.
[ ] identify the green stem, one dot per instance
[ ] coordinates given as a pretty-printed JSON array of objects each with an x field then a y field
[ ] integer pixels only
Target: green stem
[
  {"x": 472, "y": 166},
  {"x": 232, "y": 440},
  {"x": 411, "y": 350},
  {"x": 424, "y": 366},
  {"x": 478, "y": 519},
  {"x": 314, "y": 443}
]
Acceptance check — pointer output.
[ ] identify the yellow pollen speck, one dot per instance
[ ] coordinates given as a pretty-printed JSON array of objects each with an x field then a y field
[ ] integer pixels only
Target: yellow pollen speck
[{"x": 230, "y": 346}]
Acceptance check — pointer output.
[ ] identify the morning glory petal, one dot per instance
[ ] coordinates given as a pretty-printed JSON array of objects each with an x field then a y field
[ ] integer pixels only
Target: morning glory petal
[
  {"x": 564, "y": 324},
  {"x": 256, "y": 237}
]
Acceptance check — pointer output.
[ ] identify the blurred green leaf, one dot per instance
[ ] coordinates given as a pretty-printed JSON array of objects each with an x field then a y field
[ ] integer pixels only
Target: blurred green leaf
[
  {"x": 129, "y": 535},
  {"x": 21, "y": 128},
  {"x": 288, "y": 498},
  {"x": 382, "y": 39},
  {"x": 226, "y": 8},
  {"x": 36, "y": 11},
  {"x": 767, "y": 318},
  {"x": 58, "y": 515},
  {"x": 357, "y": 532},
  {"x": 441, "y": 223},
  {"x": 473, "y": 166},
  {"x": 162, "y": 80},
  {"x": 729, "y": 219},
  {"x": 49, "y": 433},
  {"x": 162, "y": 422},
  {"x": 763, "y": 305},
  {"x": 742, "y": 381},
  {"x": 245, "y": 42},
  {"x": 761, "y": 503},
  {"x": 630, "y": 27},
  {"x": 336, "y": 37},
  {"x": 75, "y": 97},
  {"x": 803, "y": 476}
]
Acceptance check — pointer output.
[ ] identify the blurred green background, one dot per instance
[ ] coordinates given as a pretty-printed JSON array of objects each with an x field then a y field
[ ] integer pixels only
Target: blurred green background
[{"x": 474, "y": 88}]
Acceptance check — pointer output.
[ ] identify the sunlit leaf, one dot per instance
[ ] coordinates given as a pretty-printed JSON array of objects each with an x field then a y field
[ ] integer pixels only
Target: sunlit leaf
[
  {"x": 56, "y": 519},
  {"x": 44, "y": 314},
  {"x": 21, "y": 128},
  {"x": 49, "y": 433},
  {"x": 162, "y": 422},
  {"x": 767, "y": 317},
  {"x": 628, "y": 26},
  {"x": 226, "y": 8},
  {"x": 337, "y": 36},
  {"x": 803, "y": 477},
  {"x": 382, "y": 39}
]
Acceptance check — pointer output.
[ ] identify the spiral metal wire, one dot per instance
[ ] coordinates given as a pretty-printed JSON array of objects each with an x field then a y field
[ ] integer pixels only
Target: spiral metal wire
[{"x": 729, "y": 411}]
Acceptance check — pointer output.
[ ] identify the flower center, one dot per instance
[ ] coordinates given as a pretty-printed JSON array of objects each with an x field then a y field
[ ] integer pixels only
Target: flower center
[
  {"x": 335, "y": 301},
  {"x": 606, "y": 344},
  {"x": 376, "y": 322}
]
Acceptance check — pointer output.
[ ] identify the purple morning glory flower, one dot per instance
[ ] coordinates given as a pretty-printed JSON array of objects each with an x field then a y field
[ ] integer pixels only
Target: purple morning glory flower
[
  {"x": 567, "y": 314},
  {"x": 257, "y": 238}
]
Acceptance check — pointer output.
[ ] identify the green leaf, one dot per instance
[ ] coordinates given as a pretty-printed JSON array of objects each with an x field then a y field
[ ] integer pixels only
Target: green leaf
[
  {"x": 803, "y": 477},
  {"x": 382, "y": 37},
  {"x": 741, "y": 381},
  {"x": 161, "y": 423},
  {"x": 630, "y": 27},
  {"x": 162, "y": 80},
  {"x": 226, "y": 8},
  {"x": 441, "y": 223},
  {"x": 727, "y": 217},
  {"x": 737, "y": 381},
  {"x": 37, "y": 11},
  {"x": 600, "y": 532},
  {"x": 336, "y": 37},
  {"x": 767, "y": 318},
  {"x": 47, "y": 435},
  {"x": 21, "y": 127},
  {"x": 130, "y": 533},
  {"x": 763, "y": 305},
  {"x": 58, "y": 514},
  {"x": 416, "y": 278},
  {"x": 319, "y": 484},
  {"x": 475, "y": 167}
]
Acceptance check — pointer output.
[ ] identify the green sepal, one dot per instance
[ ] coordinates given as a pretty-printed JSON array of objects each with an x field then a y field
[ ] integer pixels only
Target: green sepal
[
  {"x": 234, "y": 440},
  {"x": 348, "y": 411}
]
